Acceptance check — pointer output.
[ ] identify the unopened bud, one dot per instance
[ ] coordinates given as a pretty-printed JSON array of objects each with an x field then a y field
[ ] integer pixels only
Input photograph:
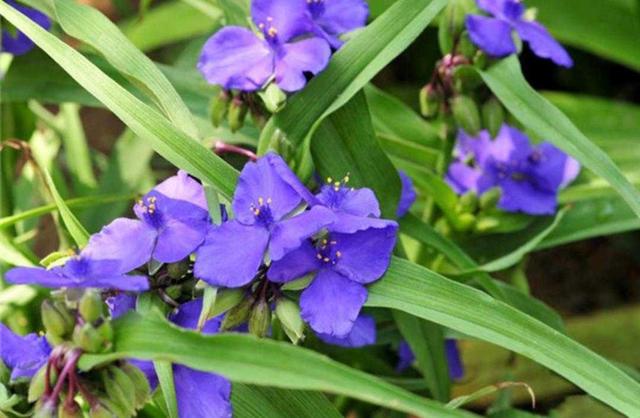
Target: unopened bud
[
  {"x": 466, "y": 114},
  {"x": 86, "y": 337},
  {"x": 57, "y": 320},
  {"x": 38, "y": 383},
  {"x": 91, "y": 306},
  {"x": 237, "y": 315},
  {"x": 430, "y": 101},
  {"x": 260, "y": 319},
  {"x": 140, "y": 383},
  {"x": 288, "y": 313},
  {"x": 466, "y": 78},
  {"x": 490, "y": 198},
  {"x": 71, "y": 410},
  {"x": 467, "y": 48},
  {"x": 100, "y": 411},
  {"x": 467, "y": 203},
  {"x": 5, "y": 373},
  {"x": 237, "y": 113},
  {"x": 45, "y": 408},
  {"x": 452, "y": 23},
  {"x": 464, "y": 222},
  {"x": 178, "y": 270},
  {"x": 105, "y": 331},
  {"x": 443, "y": 227},
  {"x": 492, "y": 116},
  {"x": 219, "y": 106},
  {"x": 487, "y": 224},
  {"x": 273, "y": 98},
  {"x": 120, "y": 391}
]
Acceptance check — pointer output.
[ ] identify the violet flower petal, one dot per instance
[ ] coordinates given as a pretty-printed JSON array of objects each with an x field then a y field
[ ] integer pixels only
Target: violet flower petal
[
  {"x": 491, "y": 35},
  {"x": 18, "y": 43},
  {"x": 362, "y": 334},
  {"x": 201, "y": 394},
  {"x": 287, "y": 235},
  {"x": 542, "y": 43},
  {"x": 335, "y": 17},
  {"x": 24, "y": 355},
  {"x": 294, "y": 264},
  {"x": 407, "y": 195},
  {"x": 280, "y": 20},
  {"x": 297, "y": 58}
]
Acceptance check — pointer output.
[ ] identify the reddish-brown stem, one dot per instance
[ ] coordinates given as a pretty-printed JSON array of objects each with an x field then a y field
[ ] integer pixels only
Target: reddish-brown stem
[{"x": 221, "y": 147}]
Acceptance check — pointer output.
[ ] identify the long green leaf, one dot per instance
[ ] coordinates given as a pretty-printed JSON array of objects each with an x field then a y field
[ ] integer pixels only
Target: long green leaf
[
  {"x": 425, "y": 294},
  {"x": 171, "y": 143},
  {"x": 351, "y": 68},
  {"x": 346, "y": 144},
  {"x": 90, "y": 26},
  {"x": 279, "y": 364},
  {"x": 262, "y": 402},
  {"x": 506, "y": 81}
]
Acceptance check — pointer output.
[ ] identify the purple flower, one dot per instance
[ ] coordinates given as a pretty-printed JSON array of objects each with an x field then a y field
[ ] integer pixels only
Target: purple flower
[
  {"x": 331, "y": 18},
  {"x": 407, "y": 195},
  {"x": 199, "y": 394},
  {"x": 116, "y": 250},
  {"x": 237, "y": 58},
  {"x": 15, "y": 42},
  {"x": 268, "y": 192},
  {"x": 362, "y": 334},
  {"x": 456, "y": 368},
  {"x": 174, "y": 218},
  {"x": 529, "y": 177},
  {"x": 23, "y": 355},
  {"x": 344, "y": 263},
  {"x": 469, "y": 154},
  {"x": 494, "y": 34}
]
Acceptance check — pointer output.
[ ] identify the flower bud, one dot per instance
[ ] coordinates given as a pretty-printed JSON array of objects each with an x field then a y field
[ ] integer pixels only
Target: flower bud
[
  {"x": 466, "y": 114},
  {"x": 430, "y": 101},
  {"x": 57, "y": 320},
  {"x": 443, "y": 227},
  {"x": 105, "y": 331},
  {"x": 467, "y": 203},
  {"x": 464, "y": 222},
  {"x": 237, "y": 113},
  {"x": 5, "y": 373},
  {"x": 452, "y": 22},
  {"x": 467, "y": 48},
  {"x": 110, "y": 408},
  {"x": 288, "y": 313},
  {"x": 69, "y": 410},
  {"x": 260, "y": 319},
  {"x": 492, "y": 116},
  {"x": 86, "y": 337},
  {"x": 490, "y": 198},
  {"x": 120, "y": 391},
  {"x": 466, "y": 79},
  {"x": 140, "y": 384},
  {"x": 219, "y": 106},
  {"x": 179, "y": 269},
  {"x": 237, "y": 315},
  {"x": 100, "y": 411},
  {"x": 45, "y": 408},
  {"x": 91, "y": 306},
  {"x": 273, "y": 98},
  {"x": 37, "y": 384},
  {"x": 487, "y": 224}
]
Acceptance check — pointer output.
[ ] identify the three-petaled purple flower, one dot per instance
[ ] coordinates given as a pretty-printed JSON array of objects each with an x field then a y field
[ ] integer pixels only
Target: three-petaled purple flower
[
  {"x": 237, "y": 58},
  {"x": 199, "y": 394},
  {"x": 23, "y": 355},
  {"x": 528, "y": 176},
  {"x": 344, "y": 263},
  {"x": 332, "y": 18},
  {"x": 16, "y": 42},
  {"x": 266, "y": 198},
  {"x": 104, "y": 263},
  {"x": 456, "y": 368},
  {"x": 494, "y": 34}
]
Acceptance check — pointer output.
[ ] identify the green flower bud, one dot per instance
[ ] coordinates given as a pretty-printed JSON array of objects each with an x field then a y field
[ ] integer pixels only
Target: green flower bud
[
  {"x": 464, "y": 222},
  {"x": 91, "y": 306},
  {"x": 486, "y": 224},
  {"x": 86, "y": 337},
  {"x": 69, "y": 411},
  {"x": 273, "y": 98},
  {"x": 120, "y": 391},
  {"x": 56, "y": 318},
  {"x": 492, "y": 116},
  {"x": 288, "y": 313},
  {"x": 100, "y": 411},
  {"x": 37, "y": 384},
  {"x": 466, "y": 79},
  {"x": 466, "y": 114},
  {"x": 178, "y": 270},
  {"x": 105, "y": 331},
  {"x": 45, "y": 409},
  {"x": 112, "y": 409},
  {"x": 443, "y": 227},
  {"x": 237, "y": 113},
  {"x": 5, "y": 373},
  {"x": 140, "y": 384},
  {"x": 260, "y": 319},
  {"x": 430, "y": 101},
  {"x": 219, "y": 106},
  {"x": 467, "y": 203},
  {"x": 452, "y": 21},
  {"x": 237, "y": 315},
  {"x": 490, "y": 198}
]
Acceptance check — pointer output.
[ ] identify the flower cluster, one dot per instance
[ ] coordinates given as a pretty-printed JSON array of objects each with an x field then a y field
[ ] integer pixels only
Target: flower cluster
[
  {"x": 494, "y": 35},
  {"x": 529, "y": 177},
  {"x": 295, "y": 37},
  {"x": 15, "y": 42}
]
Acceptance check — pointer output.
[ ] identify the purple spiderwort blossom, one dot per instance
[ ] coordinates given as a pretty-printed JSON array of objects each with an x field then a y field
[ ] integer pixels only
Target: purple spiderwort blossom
[
  {"x": 199, "y": 394},
  {"x": 17, "y": 43},
  {"x": 454, "y": 361},
  {"x": 344, "y": 263},
  {"x": 494, "y": 34},
  {"x": 236, "y": 58},
  {"x": 268, "y": 192},
  {"x": 332, "y": 18},
  {"x": 362, "y": 334},
  {"x": 23, "y": 355},
  {"x": 104, "y": 263},
  {"x": 528, "y": 176},
  {"x": 407, "y": 195}
]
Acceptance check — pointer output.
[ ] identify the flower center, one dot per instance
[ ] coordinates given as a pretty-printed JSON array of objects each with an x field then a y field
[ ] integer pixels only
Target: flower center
[
  {"x": 268, "y": 30},
  {"x": 262, "y": 211},
  {"x": 328, "y": 251},
  {"x": 338, "y": 191},
  {"x": 316, "y": 8},
  {"x": 150, "y": 213}
]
